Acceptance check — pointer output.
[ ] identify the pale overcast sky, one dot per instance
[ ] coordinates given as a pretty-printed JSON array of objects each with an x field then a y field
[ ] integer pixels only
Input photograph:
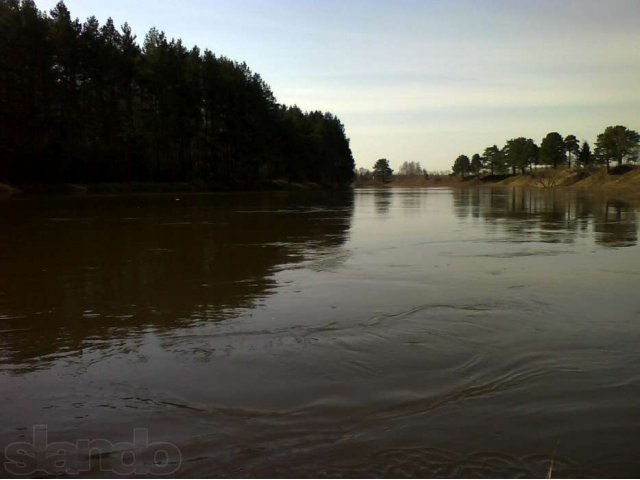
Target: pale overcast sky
[{"x": 421, "y": 80}]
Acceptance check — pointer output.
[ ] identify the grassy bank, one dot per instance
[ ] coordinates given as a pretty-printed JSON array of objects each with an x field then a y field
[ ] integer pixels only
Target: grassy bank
[{"x": 621, "y": 183}]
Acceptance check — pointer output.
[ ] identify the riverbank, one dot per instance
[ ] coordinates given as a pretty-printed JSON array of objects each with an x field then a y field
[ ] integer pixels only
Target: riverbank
[
  {"x": 621, "y": 183},
  {"x": 156, "y": 187}
]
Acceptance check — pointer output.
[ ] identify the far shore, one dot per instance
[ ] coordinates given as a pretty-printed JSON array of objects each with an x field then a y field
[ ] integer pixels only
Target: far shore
[{"x": 621, "y": 183}]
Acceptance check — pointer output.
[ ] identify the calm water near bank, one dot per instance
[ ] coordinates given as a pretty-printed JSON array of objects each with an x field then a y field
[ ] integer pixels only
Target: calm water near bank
[{"x": 403, "y": 332}]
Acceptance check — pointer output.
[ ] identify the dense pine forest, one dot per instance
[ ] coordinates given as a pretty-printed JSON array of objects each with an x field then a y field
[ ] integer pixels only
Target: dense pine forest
[{"x": 84, "y": 102}]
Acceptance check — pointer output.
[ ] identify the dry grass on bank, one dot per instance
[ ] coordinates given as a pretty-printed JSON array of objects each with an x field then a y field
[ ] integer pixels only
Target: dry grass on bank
[
  {"x": 624, "y": 187},
  {"x": 413, "y": 181},
  {"x": 621, "y": 184}
]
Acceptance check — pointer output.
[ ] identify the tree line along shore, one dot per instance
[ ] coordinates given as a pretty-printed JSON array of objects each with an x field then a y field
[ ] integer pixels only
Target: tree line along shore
[
  {"x": 620, "y": 183},
  {"x": 558, "y": 162},
  {"x": 617, "y": 144},
  {"x": 84, "y": 103},
  {"x": 86, "y": 107}
]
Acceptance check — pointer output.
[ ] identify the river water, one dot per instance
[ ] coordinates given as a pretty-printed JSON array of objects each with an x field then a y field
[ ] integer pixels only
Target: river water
[{"x": 375, "y": 332}]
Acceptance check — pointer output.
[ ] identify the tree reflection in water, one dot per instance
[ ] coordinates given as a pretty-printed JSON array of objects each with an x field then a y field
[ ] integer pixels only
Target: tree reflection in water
[
  {"x": 88, "y": 268},
  {"x": 557, "y": 216}
]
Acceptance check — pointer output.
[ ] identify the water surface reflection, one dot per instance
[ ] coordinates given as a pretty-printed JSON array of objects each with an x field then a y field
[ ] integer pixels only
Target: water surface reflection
[
  {"x": 556, "y": 214},
  {"x": 380, "y": 332},
  {"x": 78, "y": 270}
]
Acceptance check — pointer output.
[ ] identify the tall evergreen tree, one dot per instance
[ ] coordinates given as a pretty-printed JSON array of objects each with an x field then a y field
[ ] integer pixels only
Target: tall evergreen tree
[
  {"x": 462, "y": 165},
  {"x": 520, "y": 153},
  {"x": 493, "y": 159},
  {"x": 617, "y": 144},
  {"x": 552, "y": 150},
  {"x": 476, "y": 163},
  {"x": 83, "y": 102},
  {"x": 571, "y": 147},
  {"x": 585, "y": 157},
  {"x": 382, "y": 171}
]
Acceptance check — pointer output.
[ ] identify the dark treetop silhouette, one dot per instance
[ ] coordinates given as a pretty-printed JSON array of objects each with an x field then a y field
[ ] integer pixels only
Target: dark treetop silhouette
[
  {"x": 617, "y": 143},
  {"x": 83, "y": 102}
]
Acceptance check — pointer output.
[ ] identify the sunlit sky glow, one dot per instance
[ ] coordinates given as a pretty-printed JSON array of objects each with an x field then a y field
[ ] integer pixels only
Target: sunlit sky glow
[{"x": 421, "y": 80}]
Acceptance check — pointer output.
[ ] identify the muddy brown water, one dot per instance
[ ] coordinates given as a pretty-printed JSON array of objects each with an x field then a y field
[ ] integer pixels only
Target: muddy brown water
[{"x": 376, "y": 332}]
